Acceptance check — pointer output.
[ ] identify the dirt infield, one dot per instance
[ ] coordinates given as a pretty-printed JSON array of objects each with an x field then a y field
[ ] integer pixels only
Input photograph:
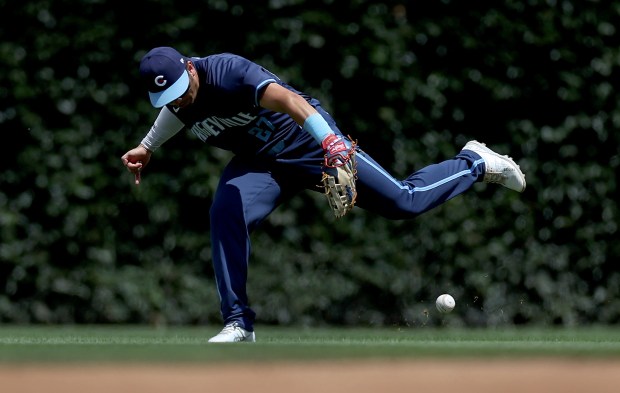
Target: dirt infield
[{"x": 462, "y": 376}]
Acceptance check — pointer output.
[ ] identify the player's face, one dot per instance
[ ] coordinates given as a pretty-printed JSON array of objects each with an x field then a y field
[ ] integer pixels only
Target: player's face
[{"x": 192, "y": 89}]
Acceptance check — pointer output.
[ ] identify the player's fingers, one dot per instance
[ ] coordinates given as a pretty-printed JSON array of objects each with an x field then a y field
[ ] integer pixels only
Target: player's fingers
[
  {"x": 131, "y": 166},
  {"x": 138, "y": 177},
  {"x": 134, "y": 167}
]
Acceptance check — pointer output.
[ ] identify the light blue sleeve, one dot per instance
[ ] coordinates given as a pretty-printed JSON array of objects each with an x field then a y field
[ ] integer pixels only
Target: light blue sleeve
[{"x": 316, "y": 125}]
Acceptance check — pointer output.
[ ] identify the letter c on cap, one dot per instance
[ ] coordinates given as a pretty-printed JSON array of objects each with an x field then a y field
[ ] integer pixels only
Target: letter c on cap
[{"x": 160, "y": 81}]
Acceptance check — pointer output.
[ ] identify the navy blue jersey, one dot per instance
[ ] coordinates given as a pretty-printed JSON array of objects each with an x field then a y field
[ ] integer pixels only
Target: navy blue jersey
[{"x": 226, "y": 112}]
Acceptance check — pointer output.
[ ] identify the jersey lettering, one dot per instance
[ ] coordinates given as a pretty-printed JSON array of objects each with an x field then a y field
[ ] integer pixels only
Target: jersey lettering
[
  {"x": 213, "y": 125},
  {"x": 203, "y": 133}
]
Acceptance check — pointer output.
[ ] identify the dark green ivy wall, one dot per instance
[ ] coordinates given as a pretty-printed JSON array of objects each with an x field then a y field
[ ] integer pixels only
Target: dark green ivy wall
[{"x": 412, "y": 81}]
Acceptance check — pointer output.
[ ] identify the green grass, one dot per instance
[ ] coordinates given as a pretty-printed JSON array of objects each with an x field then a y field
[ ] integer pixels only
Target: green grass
[{"x": 42, "y": 344}]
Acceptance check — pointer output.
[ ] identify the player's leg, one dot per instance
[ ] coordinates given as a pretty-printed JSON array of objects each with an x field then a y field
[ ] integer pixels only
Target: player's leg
[
  {"x": 435, "y": 184},
  {"x": 246, "y": 194},
  {"x": 380, "y": 192}
]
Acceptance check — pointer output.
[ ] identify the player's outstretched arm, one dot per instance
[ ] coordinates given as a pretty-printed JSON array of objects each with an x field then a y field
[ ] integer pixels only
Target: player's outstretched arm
[{"x": 280, "y": 99}]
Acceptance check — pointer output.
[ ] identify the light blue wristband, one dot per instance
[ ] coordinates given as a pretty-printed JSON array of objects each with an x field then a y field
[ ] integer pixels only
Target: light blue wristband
[{"x": 316, "y": 125}]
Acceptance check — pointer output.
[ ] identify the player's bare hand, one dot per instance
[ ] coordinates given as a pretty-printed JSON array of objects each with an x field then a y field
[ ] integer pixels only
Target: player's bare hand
[{"x": 135, "y": 160}]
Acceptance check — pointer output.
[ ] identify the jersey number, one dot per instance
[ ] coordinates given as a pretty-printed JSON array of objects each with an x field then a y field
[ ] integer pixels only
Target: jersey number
[{"x": 263, "y": 129}]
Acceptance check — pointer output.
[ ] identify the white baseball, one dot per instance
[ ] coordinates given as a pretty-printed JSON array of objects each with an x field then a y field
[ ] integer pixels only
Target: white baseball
[{"x": 445, "y": 303}]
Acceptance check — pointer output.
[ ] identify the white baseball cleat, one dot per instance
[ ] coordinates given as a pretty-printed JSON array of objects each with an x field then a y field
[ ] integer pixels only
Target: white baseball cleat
[
  {"x": 498, "y": 169},
  {"x": 233, "y": 333}
]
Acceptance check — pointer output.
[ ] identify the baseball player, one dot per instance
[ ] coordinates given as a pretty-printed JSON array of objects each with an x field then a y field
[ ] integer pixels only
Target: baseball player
[{"x": 283, "y": 142}]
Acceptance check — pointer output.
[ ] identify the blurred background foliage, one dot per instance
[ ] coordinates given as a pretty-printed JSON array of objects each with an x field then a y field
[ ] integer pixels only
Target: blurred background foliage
[{"x": 412, "y": 81}]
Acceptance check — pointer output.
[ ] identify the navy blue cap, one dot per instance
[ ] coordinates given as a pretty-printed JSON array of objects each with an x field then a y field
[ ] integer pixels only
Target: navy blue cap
[{"x": 164, "y": 72}]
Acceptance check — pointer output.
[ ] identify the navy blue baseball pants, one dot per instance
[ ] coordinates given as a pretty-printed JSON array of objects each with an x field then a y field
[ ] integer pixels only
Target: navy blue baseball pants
[{"x": 249, "y": 190}]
